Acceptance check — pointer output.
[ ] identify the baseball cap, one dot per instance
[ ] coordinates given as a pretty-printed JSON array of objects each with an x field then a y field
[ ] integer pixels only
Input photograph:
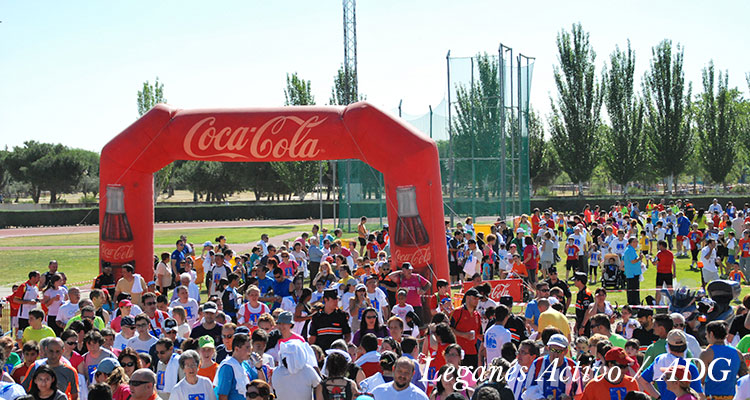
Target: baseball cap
[
  {"x": 407, "y": 265},
  {"x": 552, "y": 270},
  {"x": 558, "y": 340},
  {"x": 170, "y": 324},
  {"x": 472, "y": 292},
  {"x": 331, "y": 294},
  {"x": 127, "y": 321},
  {"x": 242, "y": 329},
  {"x": 125, "y": 303},
  {"x": 206, "y": 341},
  {"x": 360, "y": 286},
  {"x": 581, "y": 276},
  {"x": 285, "y": 318},
  {"x": 680, "y": 373},
  {"x": 519, "y": 230},
  {"x": 209, "y": 306},
  {"x": 208, "y": 243},
  {"x": 151, "y": 283},
  {"x": 506, "y": 301},
  {"x": 619, "y": 356},
  {"x": 676, "y": 337},
  {"x": 107, "y": 365}
]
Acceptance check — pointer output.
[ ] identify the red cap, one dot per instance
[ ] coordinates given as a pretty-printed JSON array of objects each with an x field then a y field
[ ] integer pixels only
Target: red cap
[
  {"x": 125, "y": 303},
  {"x": 329, "y": 260},
  {"x": 680, "y": 373},
  {"x": 619, "y": 356}
]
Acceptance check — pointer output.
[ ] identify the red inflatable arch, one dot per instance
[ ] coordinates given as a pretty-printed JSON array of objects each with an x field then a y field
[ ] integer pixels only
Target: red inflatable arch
[{"x": 409, "y": 163}]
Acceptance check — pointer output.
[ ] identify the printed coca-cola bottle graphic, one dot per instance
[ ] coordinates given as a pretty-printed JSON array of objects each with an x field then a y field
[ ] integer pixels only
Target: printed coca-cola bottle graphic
[
  {"x": 410, "y": 231},
  {"x": 116, "y": 227}
]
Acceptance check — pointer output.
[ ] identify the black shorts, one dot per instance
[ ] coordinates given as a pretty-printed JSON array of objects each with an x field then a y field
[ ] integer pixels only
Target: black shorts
[
  {"x": 662, "y": 278},
  {"x": 455, "y": 269},
  {"x": 572, "y": 265},
  {"x": 362, "y": 242}
]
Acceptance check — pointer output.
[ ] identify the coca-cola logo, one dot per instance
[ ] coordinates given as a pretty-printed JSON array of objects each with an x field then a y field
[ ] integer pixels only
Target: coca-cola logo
[
  {"x": 418, "y": 258},
  {"x": 500, "y": 290},
  {"x": 123, "y": 252},
  {"x": 204, "y": 140}
]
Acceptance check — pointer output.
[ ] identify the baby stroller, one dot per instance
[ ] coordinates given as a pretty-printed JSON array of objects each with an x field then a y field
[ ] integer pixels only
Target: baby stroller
[{"x": 612, "y": 276}]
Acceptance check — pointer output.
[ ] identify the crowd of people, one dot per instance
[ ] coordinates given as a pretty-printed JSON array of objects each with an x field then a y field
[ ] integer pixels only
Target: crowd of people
[{"x": 324, "y": 317}]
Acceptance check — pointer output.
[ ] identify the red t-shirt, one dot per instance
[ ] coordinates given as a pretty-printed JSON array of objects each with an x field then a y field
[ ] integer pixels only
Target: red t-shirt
[
  {"x": 695, "y": 237},
  {"x": 664, "y": 260},
  {"x": 464, "y": 321},
  {"x": 744, "y": 247},
  {"x": 534, "y": 224},
  {"x": 572, "y": 251},
  {"x": 534, "y": 252}
]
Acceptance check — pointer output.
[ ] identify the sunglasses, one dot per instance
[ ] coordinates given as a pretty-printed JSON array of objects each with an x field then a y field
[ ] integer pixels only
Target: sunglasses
[
  {"x": 252, "y": 395},
  {"x": 556, "y": 351},
  {"x": 129, "y": 364},
  {"x": 72, "y": 343},
  {"x": 371, "y": 317},
  {"x": 138, "y": 383},
  {"x": 228, "y": 336}
]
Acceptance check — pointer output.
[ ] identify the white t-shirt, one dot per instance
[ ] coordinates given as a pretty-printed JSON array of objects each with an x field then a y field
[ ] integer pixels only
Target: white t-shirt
[
  {"x": 191, "y": 308},
  {"x": 743, "y": 388},
  {"x": 218, "y": 272},
  {"x": 288, "y": 304},
  {"x": 661, "y": 233},
  {"x": 67, "y": 311},
  {"x": 708, "y": 258},
  {"x": 402, "y": 311},
  {"x": 203, "y": 390},
  {"x": 183, "y": 330},
  {"x": 54, "y": 307},
  {"x": 473, "y": 259},
  {"x": 141, "y": 346},
  {"x": 618, "y": 246},
  {"x": 31, "y": 294},
  {"x": 579, "y": 240},
  {"x": 386, "y": 391},
  {"x": 294, "y": 387},
  {"x": 248, "y": 314},
  {"x": 494, "y": 339},
  {"x": 121, "y": 342},
  {"x": 378, "y": 300}
]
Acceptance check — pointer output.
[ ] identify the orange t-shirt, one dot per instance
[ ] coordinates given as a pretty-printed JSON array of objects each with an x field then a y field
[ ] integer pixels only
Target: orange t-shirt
[
  {"x": 594, "y": 390},
  {"x": 520, "y": 269},
  {"x": 208, "y": 372}
]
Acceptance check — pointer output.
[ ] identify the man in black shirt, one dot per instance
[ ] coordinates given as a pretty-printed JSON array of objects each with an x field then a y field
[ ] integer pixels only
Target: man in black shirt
[
  {"x": 106, "y": 281},
  {"x": 645, "y": 334},
  {"x": 516, "y": 324},
  {"x": 271, "y": 254},
  {"x": 330, "y": 323},
  {"x": 209, "y": 326},
  {"x": 554, "y": 282},
  {"x": 584, "y": 298}
]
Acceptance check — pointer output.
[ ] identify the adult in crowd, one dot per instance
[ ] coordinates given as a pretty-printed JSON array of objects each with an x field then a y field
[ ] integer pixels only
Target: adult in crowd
[
  {"x": 632, "y": 261},
  {"x": 131, "y": 283}
]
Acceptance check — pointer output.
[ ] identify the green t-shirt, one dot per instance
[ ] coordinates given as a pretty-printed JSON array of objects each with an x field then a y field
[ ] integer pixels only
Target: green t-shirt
[
  {"x": 14, "y": 359},
  {"x": 37, "y": 334},
  {"x": 744, "y": 344},
  {"x": 98, "y": 322},
  {"x": 658, "y": 347},
  {"x": 617, "y": 340}
]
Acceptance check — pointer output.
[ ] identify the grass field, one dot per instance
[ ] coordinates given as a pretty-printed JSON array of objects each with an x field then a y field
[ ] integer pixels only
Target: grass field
[{"x": 166, "y": 237}]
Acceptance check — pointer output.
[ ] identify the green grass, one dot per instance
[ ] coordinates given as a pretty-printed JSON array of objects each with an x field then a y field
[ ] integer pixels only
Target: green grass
[
  {"x": 195, "y": 236},
  {"x": 78, "y": 264}
]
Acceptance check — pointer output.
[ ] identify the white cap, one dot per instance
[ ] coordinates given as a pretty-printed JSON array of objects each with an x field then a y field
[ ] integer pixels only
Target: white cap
[{"x": 558, "y": 340}]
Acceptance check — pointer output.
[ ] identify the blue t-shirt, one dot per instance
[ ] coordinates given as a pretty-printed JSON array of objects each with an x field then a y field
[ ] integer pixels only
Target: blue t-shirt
[
  {"x": 178, "y": 257},
  {"x": 532, "y": 311},
  {"x": 281, "y": 289},
  {"x": 631, "y": 269},
  {"x": 227, "y": 384},
  {"x": 265, "y": 284},
  {"x": 661, "y": 384},
  {"x": 683, "y": 226}
]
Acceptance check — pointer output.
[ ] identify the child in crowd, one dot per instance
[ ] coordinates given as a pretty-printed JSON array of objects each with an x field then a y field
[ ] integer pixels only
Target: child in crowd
[
  {"x": 401, "y": 309},
  {"x": 571, "y": 251},
  {"x": 736, "y": 275},
  {"x": 486, "y": 268},
  {"x": 595, "y": 258}
]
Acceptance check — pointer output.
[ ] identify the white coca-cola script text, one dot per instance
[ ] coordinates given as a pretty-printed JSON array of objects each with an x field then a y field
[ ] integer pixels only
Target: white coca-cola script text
[
  {"x": 120, "y": 253},
  {"x": 204, "y": 140}
]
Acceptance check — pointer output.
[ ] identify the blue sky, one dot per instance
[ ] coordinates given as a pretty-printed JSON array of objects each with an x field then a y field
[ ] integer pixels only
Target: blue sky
[{"x": 71, "y": 70}]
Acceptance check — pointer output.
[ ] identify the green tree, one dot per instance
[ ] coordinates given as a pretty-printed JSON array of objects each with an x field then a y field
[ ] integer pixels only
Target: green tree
[
  {"x": 543, "y": 164},
  {"x": 45, "y": 166},
  {"x": 149, "y": 96},
  {"x": 89, "y": 182},
  {"x": 625, "y": 154},
  {"x": 668, "y": 112},
  {"x": 717, "y": 124},
  {"x": 344, "y": 90},
  {"x": 576, "y": 113},
  {"x": 299, "y": 177},
  {"x": 476, "y": 130}
]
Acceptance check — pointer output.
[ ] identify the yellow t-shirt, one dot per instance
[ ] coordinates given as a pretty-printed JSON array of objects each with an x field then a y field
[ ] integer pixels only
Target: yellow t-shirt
[
  {"x": 37, "y": 334},
  {"x": 644, "y": 242},
  {"x": 554, "y": 318}
]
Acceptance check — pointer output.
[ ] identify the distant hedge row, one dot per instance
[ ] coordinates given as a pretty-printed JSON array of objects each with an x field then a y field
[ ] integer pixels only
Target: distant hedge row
[{"x": 234, "y": 211}]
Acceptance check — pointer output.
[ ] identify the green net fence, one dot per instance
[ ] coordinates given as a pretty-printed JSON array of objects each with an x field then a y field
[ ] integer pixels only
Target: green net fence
[{"x": 482, "y": 134}]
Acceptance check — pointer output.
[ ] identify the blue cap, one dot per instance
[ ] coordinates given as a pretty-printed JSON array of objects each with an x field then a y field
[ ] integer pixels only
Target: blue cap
[{"x": 107, "y": 365}]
